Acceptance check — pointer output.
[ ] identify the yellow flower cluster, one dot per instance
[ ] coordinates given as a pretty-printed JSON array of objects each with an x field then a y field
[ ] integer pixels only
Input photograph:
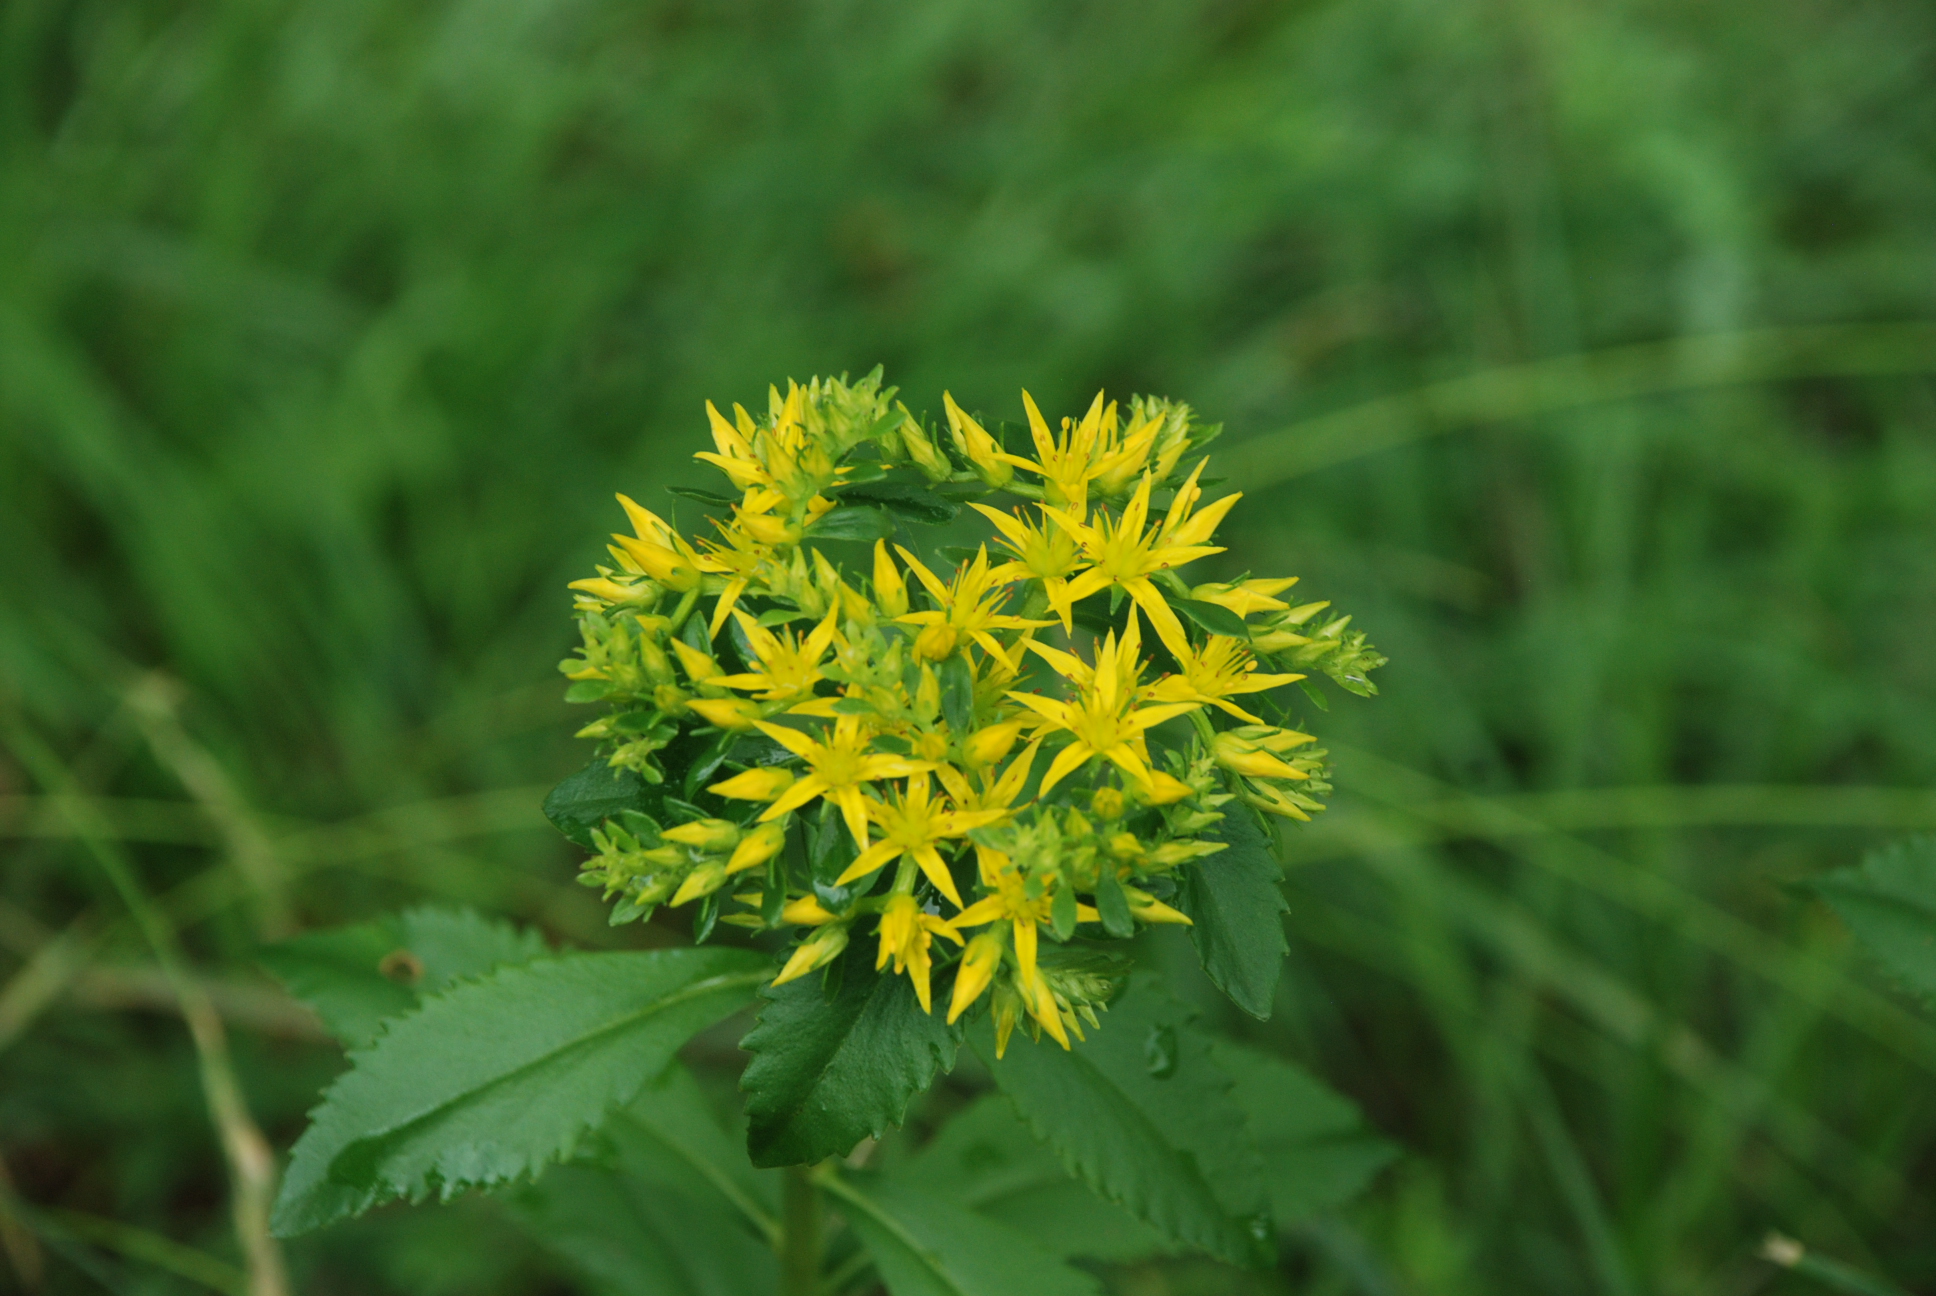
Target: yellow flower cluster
[{"x": 841, "y": 739}]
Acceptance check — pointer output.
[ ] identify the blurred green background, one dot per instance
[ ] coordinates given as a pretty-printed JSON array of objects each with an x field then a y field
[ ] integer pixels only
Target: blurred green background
[{"x": 329, "y": 327}]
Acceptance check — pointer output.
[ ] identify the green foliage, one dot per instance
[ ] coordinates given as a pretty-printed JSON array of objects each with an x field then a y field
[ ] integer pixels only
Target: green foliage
[
  {"x": 1575, "y": 347},
  {"x": 925, "y": 1245},
  {"x": 834, "y": 1065},
  {"x": 986, "y": 1159},
  {"x": 647, "y": 1216},
  {"x": 1236, "y": 904},
  {"x": 354, "y": 977},
  {"x": 1142, "y": 1114},
  {"x": 1316, "y": 1151},
  {"x": 1889, "y": 901},
  {"x": 492, "y": 1080},
  {"x": 601, "y": 791}
]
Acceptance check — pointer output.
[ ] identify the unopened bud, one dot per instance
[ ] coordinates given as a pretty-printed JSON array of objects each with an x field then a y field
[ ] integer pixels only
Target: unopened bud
[
  {"x": 702, "y": 881},
  {"x": 757, "y": 847},
  {"x": 821, "y": 949},
  {"x": 935, "y": 642},
  {"x": 989, "y": 745},
  {"x": 763, "y": 784},
  {"x": 710, "y": 835}
]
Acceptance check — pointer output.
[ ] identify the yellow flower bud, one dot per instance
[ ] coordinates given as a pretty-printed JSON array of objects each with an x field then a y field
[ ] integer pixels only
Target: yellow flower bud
[
  {"x": 935, "y": 642},
  {"x": 727, "y": 713},
  {"x": 757, "y": 847},
  {"x": 974, "y": 442},
  {"x": 1147, "y": 908},
  {"x": 1108, "y": 803},
  {"x": 699, "y": 667},
  {"x": 1163, "y": 789},
  {"x": 807, "y": 912},
  {"x": 667, "y": 566},
  {"x": 988, "y": 745},
  {"x": 933, "y": 464},
  {"x": 890, "y": 587},
  {"x": 979, "y": 963},
  {"x": 1007, "y": 1012},
  {"x": 609, "y": 590},
  {"x": 762, "y": 784},
  {"x": 1240, "y": 756},
  {"x": 711, "y": 835},
  {"x": 1273, "y": 800},
  {"x": 822, "y": 949},
  {"x": 1245, "y": 597},
  {"x": 767, "y": 529},
  {"x": 702, "y": 881},
  {"x": 1274, "y": 641}
]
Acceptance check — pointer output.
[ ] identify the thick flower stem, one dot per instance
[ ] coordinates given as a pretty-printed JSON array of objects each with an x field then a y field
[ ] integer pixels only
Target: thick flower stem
[{"x": 800, "y": 1236}]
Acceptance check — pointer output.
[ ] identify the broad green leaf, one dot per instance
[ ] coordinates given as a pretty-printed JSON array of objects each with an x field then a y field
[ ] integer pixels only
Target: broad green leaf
[
  {"x": 925, "y": 1245},
  {"x": 827, "y": 1073},
  {"x": 354, "y": 977},
  {"x": 986, "y": 1159},
  {"x": 1170, "y": 1147},
  {"x": 494, "y": 1079},
  {"x": 853, "y": 523},
  {"x": 649, "y": 1221},
  {"x": 1889, "y": 902},
  {"x": 594, "y": 794},
  {"x": 1317, "y": 1152},
  {"x": 1214, "y": 617},
  {"x": 674, "y": 1114},
  {"x": 1236, "y": 905}
]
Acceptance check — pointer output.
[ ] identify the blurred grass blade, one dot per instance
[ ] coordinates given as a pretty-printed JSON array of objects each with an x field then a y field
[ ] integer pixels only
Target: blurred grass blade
[{"x": 1526, "y": 391}]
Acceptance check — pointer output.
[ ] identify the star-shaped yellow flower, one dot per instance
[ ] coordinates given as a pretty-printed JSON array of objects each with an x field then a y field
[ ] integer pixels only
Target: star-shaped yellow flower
[
  {"x": 1066, "y": 465},
  {"x": 1215, "y": 673},
  {"x": 1127, "y": 554},
  {"x": 1045, "y": 553},
  {"x": 912, "y": 823},
  {"x": 970, "y": 609},
  {"x": 1103, "y": 719},
  {"x": 789, "y": 666},
  {"x": 906, "y": 934},
  {"x": 840, "y": 769},
  {"x": 1025, "y": 914}
]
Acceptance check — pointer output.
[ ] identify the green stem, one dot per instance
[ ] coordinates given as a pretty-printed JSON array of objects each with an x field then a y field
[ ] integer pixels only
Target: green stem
[{"x": 800, "y": 1236}]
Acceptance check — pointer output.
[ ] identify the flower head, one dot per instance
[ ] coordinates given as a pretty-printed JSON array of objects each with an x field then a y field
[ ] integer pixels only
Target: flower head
[{"x": 891, "y": 687}]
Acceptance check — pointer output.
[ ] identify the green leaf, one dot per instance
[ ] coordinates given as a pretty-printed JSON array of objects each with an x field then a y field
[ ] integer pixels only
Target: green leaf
[
  {"x": 924, "y": 1245},
  {"x": 853, "y": 523},
  {"x": 1171, "y": 1149},
  {"x": 594, "y": 794},
  {"x": 905, "y": 499},
  {"x": 1317, "y": 1152},
  {"x": 828, "y": 1073},
  {"x": 653, "y": 1221},
  {"x": 1113, "y": 906},
  {"x": 493, "y": 1079},
  {"x": 1236, "y": 904},
  {"x": 958, "y": 693},
  {"x": 672, "y": 1112},
  {"x": 1889, "y": 902},
  {"x": 1214, "y": 617},
  {"x": 355, "y": 977},
  {"x": 986, "y": 1159}
]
